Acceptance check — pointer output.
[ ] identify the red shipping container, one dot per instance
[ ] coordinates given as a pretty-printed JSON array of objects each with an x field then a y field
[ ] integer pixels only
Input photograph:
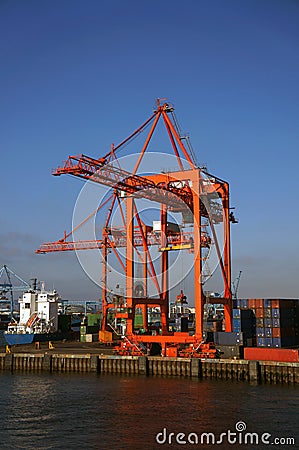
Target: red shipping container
[
  {"x": 259, "y": 312},
  {"x": 251, "y": 303},
  {"x": 276, "y": 332},
  {"x": 274, "y": 303},
  {"x": 271, "y": 354},
  {"x": 259, "y": 303}
]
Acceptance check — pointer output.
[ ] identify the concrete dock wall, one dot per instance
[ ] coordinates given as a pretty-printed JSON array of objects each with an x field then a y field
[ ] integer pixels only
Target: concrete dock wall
[{"x": 220, "y": 369}]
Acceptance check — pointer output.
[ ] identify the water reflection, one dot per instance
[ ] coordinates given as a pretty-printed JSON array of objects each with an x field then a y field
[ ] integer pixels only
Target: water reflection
[{"x": 59, "y": 411}]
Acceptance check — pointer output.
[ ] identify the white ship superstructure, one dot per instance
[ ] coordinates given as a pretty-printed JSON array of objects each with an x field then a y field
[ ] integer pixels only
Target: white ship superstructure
[{"x": 38, "y": 313}]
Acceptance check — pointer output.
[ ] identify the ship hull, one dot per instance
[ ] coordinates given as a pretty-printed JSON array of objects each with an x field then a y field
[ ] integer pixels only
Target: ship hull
[
  {"x": 29, "y": 338},
  {"x": 16, "y": 339}
]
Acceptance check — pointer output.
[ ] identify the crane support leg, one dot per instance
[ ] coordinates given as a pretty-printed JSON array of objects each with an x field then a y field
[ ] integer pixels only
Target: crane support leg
[
  {"x": 164, "y": 271},
  {"x": 198, "y": 293},
  {"x": 130, "y": 263}
]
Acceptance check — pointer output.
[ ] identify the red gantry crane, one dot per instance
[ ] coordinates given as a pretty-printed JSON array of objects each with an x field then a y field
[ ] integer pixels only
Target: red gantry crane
[{"x": 203, "y": 201}]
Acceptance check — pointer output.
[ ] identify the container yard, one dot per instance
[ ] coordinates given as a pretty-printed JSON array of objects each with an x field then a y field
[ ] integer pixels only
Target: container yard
[{"x": 251, "y": 339}]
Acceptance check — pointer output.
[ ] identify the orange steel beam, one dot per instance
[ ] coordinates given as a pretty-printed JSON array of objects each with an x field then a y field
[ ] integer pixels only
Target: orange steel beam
[
  {"x": 218, "y": 250},
  {"x": 104, "y": 282},
  {"x": 109, "y": 244},
  {"x": 149, "y": 269},
  {"x": 146, "y": 142},
  {"x": 111, "y": 209},
  {"x": 198, "y": 293},
  {"x": 159, "y": 187},
  {"x": 227, "y": 244},
  {"x": 144, "y": 307},
  {"x": 118, "y": 241},
  {"x": 66, "y": 235},
  {"x": 178, "y": 139},
  {"x": 171, "y": 338},
  {"x": 63, "y": 246},
  {"x": 121, "y": 180},
  {"x": 164, "y": 271},
  {"x": 146, "y": 250},
  {"x": 227, "y": 259},
  {"x": 222, "y": 188},
  {"x": 174, "y": 146},
  {"x": 130, "y": 261},
  {"x": 121, "y": 211},
  {"x": 125, "y": 141}
]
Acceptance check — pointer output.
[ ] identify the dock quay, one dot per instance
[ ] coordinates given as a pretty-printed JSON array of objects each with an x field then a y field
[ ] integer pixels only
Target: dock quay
[{"x": 100, "y": 360}]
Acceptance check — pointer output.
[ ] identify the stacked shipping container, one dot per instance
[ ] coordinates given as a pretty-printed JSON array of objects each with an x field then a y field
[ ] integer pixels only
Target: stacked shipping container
[
  {"x": 244, "y": 321},
  {"x": 275, "y": 322}
]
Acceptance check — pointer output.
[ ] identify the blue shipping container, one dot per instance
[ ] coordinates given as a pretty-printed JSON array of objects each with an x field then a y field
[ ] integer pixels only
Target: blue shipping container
[
  {"x": 284, "y": 342},
  {"x": 276, "y": 322},
  {"x": 268, "y": 312},
  {"x": 267, "y": 303},
  {"x": 237, "y": 303},
  {"x": 244, "y": 303},
  {"x": 275, "y": 312},
  {"x": 268, "y": 322},
  {"x": 236, "y": 326},
  {"x": 260, "y": 332},
  {"x": 268, "y": 342},
  {"x": 236, "y": 313},
  {"x": 268, "y": 332},
  {"x": 261, "y": 342},
  {"x": 276, "y": 342},
  {"x": 237, "y": 321}
]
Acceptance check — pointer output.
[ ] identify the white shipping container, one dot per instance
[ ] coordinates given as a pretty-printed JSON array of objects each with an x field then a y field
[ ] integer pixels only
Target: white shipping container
[
  {"x": 157, "y": 225},
  {"x": 92, "y": 337},
  {"x": 171, "y": 226}
]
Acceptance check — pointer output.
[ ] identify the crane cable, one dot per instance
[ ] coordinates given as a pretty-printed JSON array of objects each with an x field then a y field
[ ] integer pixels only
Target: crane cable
[{"x": 186, "y": 137}]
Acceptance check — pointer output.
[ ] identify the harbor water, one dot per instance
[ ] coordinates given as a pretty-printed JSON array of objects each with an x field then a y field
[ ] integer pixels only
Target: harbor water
[{"x": 89, "y": 411}]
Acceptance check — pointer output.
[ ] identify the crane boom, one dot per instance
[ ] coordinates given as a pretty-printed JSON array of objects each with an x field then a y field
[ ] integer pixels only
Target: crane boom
[
  {"x": 174, "y": 241},
  {"x": 108, "y": 174}
]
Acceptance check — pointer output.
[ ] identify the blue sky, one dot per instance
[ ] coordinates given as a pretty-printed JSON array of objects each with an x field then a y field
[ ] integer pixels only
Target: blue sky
[{"x": 78, "y": 75}]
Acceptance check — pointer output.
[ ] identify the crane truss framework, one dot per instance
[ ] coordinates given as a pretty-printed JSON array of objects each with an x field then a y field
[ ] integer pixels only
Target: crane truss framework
[
  {"x": 190, "y": 191},
  {"x": 7, "y": 285}
]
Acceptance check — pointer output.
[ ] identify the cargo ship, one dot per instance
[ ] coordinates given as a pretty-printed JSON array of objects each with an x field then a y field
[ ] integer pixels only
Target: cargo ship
[{"x": 38, "y": 318}]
